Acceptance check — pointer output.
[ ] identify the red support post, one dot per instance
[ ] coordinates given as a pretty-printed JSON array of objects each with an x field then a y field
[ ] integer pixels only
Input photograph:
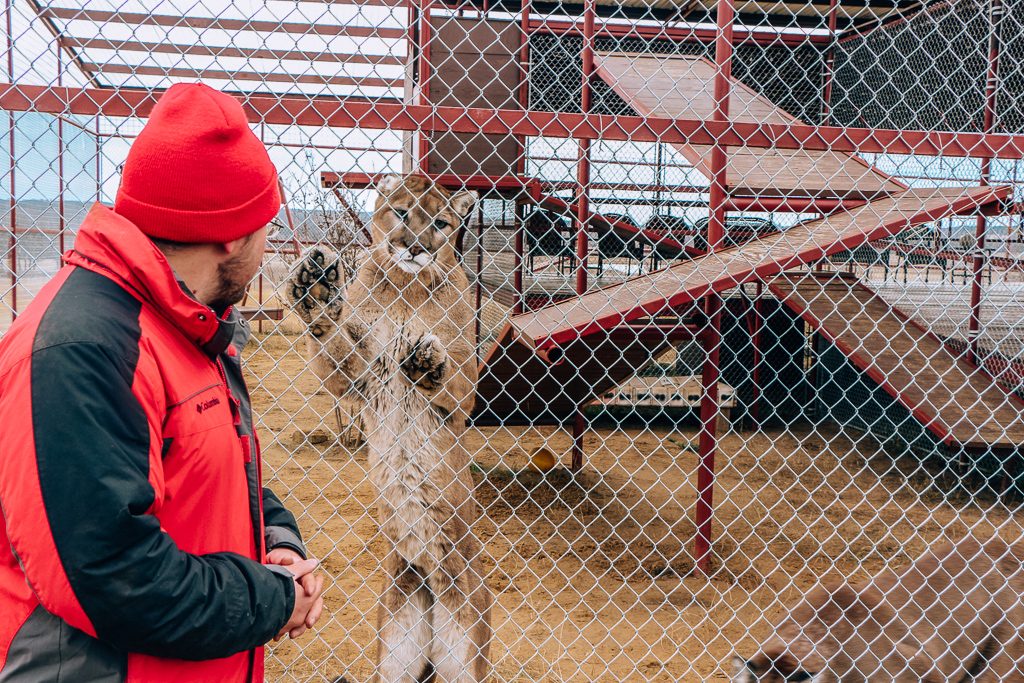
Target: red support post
[
  {"x": 99, "y": 166},
  {"x": 61, "y": 221},
  {"x": 524, "y": 102},
  {"x": 479, "y": 272},
  {"x": 424, "y": 77},
  {"x": 12, "y": 206},
  {"x": 579, "y": 428},
  {"x": 995, "y": 13},
  {"x": 830, "y": 57},
  {"x": 755, "y": 401},
  {"x": 517, "y": 274},
  {"x": 583, "y": 201},
  {"x": 709, "y": 409},
  {"x": 524, "y": 81}
]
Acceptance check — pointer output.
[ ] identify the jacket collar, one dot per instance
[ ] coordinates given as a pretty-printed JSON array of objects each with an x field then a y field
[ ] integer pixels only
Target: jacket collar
[{"x": 112, "y": 246}]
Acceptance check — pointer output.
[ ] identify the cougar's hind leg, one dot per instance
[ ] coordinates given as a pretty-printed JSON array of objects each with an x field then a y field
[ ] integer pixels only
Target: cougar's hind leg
[
  {"x": 460, "y": 615},
  {"x": 403, "y": 630}
]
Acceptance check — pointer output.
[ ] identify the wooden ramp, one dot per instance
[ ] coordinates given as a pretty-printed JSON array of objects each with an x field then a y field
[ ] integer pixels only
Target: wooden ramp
[
  {"x": 682, "y": 87},
  {"x": 949, "y": 396},
  {"x": 568, "y": 350}
]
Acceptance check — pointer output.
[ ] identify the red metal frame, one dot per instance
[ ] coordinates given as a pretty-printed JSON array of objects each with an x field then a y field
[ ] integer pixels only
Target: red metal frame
[
  {"x": 383, "y": 114},
  {"x": 424, "y": 119}
]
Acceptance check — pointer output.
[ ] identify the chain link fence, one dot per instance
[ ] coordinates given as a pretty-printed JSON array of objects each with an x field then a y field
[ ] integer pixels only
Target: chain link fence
[{"x": 742, "y": 288}]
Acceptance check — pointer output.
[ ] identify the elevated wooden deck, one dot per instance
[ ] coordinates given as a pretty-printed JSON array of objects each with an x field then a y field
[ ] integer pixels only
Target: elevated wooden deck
[
  {"x": 952, "y": 398},
  {"x": 564, "y": 354},
  {"x": 688, "y": 281},
  {"x": 682, "y": 87}
]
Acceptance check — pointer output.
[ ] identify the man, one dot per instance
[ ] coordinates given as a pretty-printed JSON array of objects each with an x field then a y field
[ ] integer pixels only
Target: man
[{"x": 136, "y": 540}]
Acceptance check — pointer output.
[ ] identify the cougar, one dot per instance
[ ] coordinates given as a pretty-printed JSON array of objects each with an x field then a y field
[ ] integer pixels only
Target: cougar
[
  {"x": 397, "y": 343},
  {"x": 954, "y": 616}
]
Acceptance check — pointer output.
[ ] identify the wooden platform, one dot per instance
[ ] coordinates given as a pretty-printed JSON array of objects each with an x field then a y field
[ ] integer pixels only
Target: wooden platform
[
  {"x": 682, "y": 87},
  {"x": 571, "y": 351},
  {"x": 688, "y": 281},
  {"x": 952, "y": 398}
]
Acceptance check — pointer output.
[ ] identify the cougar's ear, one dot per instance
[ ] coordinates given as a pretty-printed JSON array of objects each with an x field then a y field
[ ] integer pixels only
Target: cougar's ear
[
  {"x": 389, "y": 183},
  {"x": 463, "y": 202}
]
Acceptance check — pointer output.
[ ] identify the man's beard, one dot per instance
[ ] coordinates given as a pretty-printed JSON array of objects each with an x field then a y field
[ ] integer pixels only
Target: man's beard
[{"x": 231, "y": 284}]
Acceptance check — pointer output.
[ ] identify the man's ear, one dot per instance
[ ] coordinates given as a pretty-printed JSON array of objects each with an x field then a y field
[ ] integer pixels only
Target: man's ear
[
  {"x": 232, "y": 246},
  {"x": 463, "y": 202}
]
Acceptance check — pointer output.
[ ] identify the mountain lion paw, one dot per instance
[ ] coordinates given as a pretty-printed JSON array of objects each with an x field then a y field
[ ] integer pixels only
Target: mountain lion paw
[
  {"x": 314, "y": 289},
  {"x": 426, "y": 362}
]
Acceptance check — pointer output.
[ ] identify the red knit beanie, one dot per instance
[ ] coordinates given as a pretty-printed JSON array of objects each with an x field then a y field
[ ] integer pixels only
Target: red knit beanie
[{"x": 196, "y": 172}]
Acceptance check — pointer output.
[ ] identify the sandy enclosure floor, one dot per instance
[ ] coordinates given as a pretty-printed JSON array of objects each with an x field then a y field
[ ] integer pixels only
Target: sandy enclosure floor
[{"x": 592, "y": 574}]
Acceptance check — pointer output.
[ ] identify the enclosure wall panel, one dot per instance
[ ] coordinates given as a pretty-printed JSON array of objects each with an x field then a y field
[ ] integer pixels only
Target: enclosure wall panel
[
  {"x": 941, "y": 389},
  {"x": 477, "y": 63}
]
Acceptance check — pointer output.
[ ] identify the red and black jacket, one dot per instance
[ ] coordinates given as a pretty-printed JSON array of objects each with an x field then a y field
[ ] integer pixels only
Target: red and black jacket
[{"x": 134, "y": 518}]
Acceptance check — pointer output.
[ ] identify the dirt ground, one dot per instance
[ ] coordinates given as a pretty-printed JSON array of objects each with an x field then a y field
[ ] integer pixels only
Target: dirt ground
[{"x": 592, "y": 574}]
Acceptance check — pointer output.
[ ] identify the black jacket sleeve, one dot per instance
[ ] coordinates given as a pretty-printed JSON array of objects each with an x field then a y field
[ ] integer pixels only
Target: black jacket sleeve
[
  {"x": 282, "y": 531},
  {"x": 92, "y": 446}
]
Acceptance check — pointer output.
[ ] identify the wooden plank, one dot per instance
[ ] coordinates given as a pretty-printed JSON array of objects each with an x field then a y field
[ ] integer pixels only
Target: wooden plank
[
  {"x": 683, "y": 87},
  {"x": 688, "y": 281},
  {"x": 949, "y": 396}
]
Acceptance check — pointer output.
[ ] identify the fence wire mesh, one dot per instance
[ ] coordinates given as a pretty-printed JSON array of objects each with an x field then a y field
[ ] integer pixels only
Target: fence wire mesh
[{"x": 725, "y": 320}]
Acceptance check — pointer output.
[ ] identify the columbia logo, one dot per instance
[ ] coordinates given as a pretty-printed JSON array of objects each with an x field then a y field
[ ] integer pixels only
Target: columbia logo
[{"x": 206, "y": 405}]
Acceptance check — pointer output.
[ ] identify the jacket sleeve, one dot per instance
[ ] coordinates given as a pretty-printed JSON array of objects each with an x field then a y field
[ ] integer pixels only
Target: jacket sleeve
[
  {"x": 281, "y": 529},
  {"x": 76, "y": 489}
]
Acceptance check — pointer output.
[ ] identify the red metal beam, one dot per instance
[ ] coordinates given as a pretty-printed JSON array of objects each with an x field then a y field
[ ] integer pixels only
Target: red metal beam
[
  {"x": 995, "y": 15},
  {"x": 829, "y": 67},
  {"x": 389, "y": 114},
  {"x": 424, "y": 37},
  {"x": 229, "y": 51},
  {"x": 675, "y": 34},
  {"x": 794, "y": 205},
  {"x": 711, "y": 372},
  {"x": 481, "y": 183},
  {"x": 583, "y": 203},
  {"x": 12, "y": 207},
  {"x": 269, "y": 77},
  {"x": 358, "y": 3},
  {"x": 173, "y": 21}
]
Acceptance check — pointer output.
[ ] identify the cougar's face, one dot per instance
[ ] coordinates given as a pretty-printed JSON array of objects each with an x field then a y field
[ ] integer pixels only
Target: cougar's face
[{"x": 416, "y": 222}]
